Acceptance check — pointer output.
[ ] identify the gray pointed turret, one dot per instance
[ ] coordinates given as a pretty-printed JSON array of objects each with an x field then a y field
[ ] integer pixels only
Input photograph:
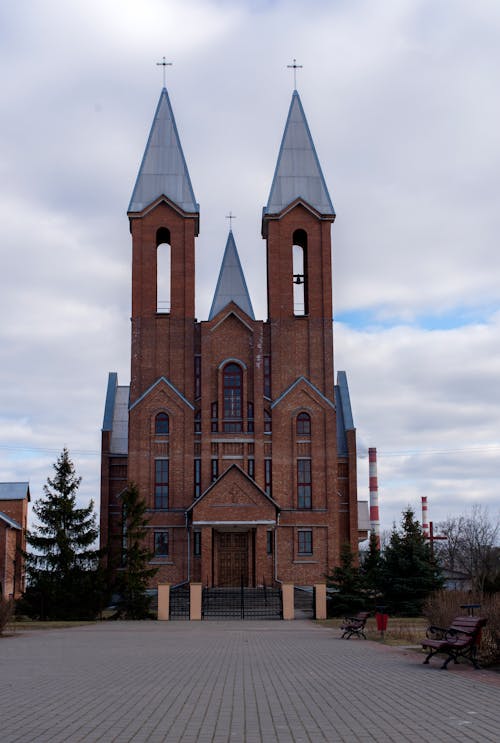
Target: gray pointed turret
[
  {"x": 163, "y": 170},
  {"x": 231, "y": 285},
  {"x": 298, "y": 172}
]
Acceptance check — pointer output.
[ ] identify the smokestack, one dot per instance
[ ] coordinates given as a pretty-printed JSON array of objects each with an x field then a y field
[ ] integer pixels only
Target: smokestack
[
  {"x": 374, "y": 514},
  {"x": 425, "y": 522}
]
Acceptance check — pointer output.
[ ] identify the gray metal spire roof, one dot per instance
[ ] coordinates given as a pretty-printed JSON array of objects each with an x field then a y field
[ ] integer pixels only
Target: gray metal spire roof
[
  {"x": 163, "y": 170},
  {"x": 298, "y": 172},
  {"x": 231, "y": 285}
]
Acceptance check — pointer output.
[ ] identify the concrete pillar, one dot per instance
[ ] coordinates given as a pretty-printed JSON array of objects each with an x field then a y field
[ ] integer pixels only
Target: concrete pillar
[
  {"x": 195, "y": 601},
  {"x": 320, "y": 600},
  {"x": 288, "y": 601},
  {"x": 163, "y": 601}
]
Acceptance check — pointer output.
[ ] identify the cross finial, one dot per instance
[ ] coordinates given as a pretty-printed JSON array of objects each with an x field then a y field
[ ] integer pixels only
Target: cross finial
[
  {"x": 230, "y": 216},
  {"x": 295, "y": 67},
  {"x": 164, "y": 64}
]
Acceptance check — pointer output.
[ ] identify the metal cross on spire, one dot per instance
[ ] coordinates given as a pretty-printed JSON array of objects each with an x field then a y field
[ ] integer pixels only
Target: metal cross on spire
[
  {"x": 295, "y": 67},
  {"x": 230, "y": 216},
  {"x": 164, "y": 64}
]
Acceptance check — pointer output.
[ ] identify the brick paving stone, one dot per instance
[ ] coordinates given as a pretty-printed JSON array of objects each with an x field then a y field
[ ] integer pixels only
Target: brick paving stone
[{"x": 232, "y": 682}]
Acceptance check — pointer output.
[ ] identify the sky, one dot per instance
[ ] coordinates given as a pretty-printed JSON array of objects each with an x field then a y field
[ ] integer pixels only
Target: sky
[{"x": 401, "y": 97}]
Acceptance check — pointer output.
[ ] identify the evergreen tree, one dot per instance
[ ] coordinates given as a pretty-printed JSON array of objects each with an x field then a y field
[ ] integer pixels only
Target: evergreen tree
[
  {"x": 349, "y": 587},
  {"x": 135, "y": 573},
  {"x": 371, "y": 566},
  {"x": 408, "y": 572},
  {"x": 62, "y": 566}
]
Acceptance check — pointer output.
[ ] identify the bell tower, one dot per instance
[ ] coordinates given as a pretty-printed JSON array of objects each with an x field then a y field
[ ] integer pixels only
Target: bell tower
[
  {"x": 164, "y": 221},
  {"x": 296, "y": 224}
]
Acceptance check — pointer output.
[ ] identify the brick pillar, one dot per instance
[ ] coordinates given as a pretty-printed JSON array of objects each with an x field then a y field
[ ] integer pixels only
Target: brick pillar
[
  {"x": 320, "y": 601},
  {"x": 288, "y": 601},
  {"x": 163, "y": 601},
  {"x": 195, "y": 601}
]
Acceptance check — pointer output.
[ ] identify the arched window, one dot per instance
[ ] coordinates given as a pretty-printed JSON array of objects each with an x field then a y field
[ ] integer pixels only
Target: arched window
[
  {"x": 233, "y": 392},
  {"x": 161, "y": 423},
  {"x": 163, "y": 261},
  {"x": 300, "y": 298},
  {"x": 303, "y": 424}
]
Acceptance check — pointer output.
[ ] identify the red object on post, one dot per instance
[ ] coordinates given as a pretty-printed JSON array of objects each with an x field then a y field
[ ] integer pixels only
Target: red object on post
[{"x": 381, "y": 621}]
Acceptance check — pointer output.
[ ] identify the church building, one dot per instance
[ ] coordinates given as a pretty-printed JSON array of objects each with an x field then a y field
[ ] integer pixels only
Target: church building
[{"x": 234, "y": 429}]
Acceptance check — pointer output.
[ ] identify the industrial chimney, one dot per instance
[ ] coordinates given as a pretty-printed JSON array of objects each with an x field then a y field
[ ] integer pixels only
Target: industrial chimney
[{"x": 374, "y": 513}]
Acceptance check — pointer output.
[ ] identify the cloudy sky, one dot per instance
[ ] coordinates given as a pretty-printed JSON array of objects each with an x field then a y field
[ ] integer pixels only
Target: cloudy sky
[{"x": 402, "y": 98}]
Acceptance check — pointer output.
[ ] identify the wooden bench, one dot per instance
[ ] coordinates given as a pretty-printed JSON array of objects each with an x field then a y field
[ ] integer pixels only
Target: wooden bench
[
  {"x": 459, "y": 640},
  {"x": 355, "y": 625}
]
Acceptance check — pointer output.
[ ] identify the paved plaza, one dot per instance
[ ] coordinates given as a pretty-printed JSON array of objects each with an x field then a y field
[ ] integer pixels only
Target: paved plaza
[{"x": 245, "y": 682}]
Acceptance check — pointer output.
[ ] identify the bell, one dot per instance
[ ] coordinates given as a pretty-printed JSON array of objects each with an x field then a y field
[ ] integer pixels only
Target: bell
[{"x": 299, "y": 279}]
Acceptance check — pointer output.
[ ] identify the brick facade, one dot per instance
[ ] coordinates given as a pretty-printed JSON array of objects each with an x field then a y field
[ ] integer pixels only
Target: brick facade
[
  {"x": 14, "y": 499},
  {"x": 244, "y": 483}
]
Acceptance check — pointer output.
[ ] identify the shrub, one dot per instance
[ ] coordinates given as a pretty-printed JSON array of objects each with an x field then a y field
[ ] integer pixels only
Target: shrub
[
  {"x": 6, "y": 612},
  {"x": 442, "y": 606}
]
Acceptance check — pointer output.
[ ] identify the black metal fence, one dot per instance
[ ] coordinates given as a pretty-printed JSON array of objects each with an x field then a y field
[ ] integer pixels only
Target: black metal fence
[
  {"x": 242, "y": 603},
  {"x": 179, "y": 602}
]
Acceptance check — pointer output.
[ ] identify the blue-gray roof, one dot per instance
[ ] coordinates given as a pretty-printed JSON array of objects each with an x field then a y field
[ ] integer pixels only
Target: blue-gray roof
[
  {"x": 231, "y": 285},
  {"x": 11, "y": 522},
  {"x": 298, "y": 173},
  {"x": 163, "y": 170},
  {"x": 116, "y": 414},
  {"x": 14, "y": 490},
  {"x": 344, "y": 412}
]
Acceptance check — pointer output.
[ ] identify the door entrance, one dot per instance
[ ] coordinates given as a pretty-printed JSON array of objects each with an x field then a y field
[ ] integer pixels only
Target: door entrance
[{"x": 232, "y": 558}]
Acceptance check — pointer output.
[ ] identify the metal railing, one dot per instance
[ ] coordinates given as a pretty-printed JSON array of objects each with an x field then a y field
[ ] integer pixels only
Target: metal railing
[{"x": 179, "y": 602}]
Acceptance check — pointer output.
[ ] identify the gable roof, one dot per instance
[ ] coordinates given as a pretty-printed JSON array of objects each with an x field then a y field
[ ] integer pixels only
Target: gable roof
[
  {"x": 294, "y": 385},
  {"x": 163, "y": 170},
  {"x": 155, "y": 384},
  {"x": 219, "y": 480},
  {"x": 298, "y": 174},
  {"x": 14, "y": 491},
  {"x": 231, "y": 284},
  {"x": 9, "y": 521}
]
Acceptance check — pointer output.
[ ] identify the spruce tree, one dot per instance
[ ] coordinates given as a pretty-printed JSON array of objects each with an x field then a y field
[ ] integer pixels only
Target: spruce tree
[
  {"x": 347, "y": 581},
  {"x": 408, "y": 572},
  {"x": 135, "y": 573},
  {"x": 371, "y": 565},
  {"x": 62, "y": 565}
]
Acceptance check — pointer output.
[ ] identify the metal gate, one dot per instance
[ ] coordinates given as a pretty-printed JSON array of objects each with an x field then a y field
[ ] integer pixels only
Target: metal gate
[
  {"x": 179, "y": 602},
  {"x": 242, "y": 603}
]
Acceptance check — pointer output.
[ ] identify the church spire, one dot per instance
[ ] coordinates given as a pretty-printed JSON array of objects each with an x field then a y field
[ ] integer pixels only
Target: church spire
[
  {"x": 231, "y": 285},
  {"x": 163, "y": 170},
  {"x": 298, "y": 172}
]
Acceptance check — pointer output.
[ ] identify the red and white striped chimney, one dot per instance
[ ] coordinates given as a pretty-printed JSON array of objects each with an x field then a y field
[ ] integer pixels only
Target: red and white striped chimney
[
  {"x": 425, "y": 518},
  {"x": 374, "y": 512}
]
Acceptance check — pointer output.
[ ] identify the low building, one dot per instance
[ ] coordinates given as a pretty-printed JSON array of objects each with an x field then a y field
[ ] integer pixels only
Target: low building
[{"x": 14, "y": 499}]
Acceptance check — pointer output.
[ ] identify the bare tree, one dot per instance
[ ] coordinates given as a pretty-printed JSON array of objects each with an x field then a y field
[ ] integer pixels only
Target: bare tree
[{"x": 471, "y": 545}]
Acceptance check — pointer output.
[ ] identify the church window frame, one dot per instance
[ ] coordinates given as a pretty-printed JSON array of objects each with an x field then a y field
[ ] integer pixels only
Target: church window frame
[
  {"x": 269, "y": 542},
  {"x": 162, "y": 424},
  {"x": 268, "y": 476},
  {"x": 303, "y": 424},
  {"x": 214, "y": 467},
  {"x": 304, "y": 542},
  {"x": 197, "y": 421},
  {"x": 304, "y": 484},
  {"x": 214, "y": 419},
  {"x": 197, "y": 376},
  {"x": 268, "y": 422},
  {"x": 162, "y": 485},
  {"x": 161, "y": 543},
  {"x": 163, "y": 271},
  {"x": 197, "y": 544},
  {"x": 300, "y": 274},
  {"x": 251, "y": 467},
  {"x": 267, "y": 377},
  {"x": 197, "y": 477},
  {"x": 232, "y": 397}
]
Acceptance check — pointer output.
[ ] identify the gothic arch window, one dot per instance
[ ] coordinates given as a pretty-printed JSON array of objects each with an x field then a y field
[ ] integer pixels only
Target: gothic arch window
[
  {"x": 303, "y": 424},
  {"x": 163, "y": 270},
  {"x": 300, "y": 283},
  {"x": 232, "y": 386},
  {"x": 162, "y": 423}
]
